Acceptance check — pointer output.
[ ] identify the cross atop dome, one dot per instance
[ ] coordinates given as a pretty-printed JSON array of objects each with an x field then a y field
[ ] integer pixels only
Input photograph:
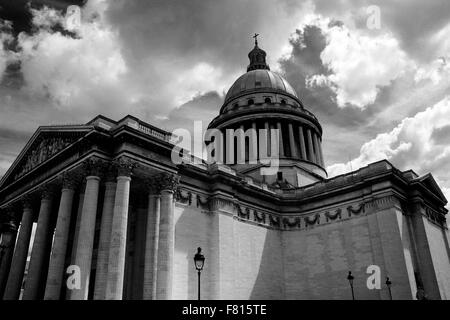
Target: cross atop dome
[
  {"x": 257, "y": 57},
  {"x": 256, "y": 38}
]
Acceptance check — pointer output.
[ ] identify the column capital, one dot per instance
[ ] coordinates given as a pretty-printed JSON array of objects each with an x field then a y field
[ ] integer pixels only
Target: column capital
[
  {"x": 46, "y": 192},
  {"x": 153, "y": 185},
  {"x": 26, "y": 202},
  {"x": 110, "y": 172},
  {"x": 162, "y": 182},
  {"x": 8, "y": 212},
  {"x": 124, "y": 166},
  {"x": 93, "y": 166},
  {"x": 69, "y": 180},
  {"x": 168, "y": 181}
]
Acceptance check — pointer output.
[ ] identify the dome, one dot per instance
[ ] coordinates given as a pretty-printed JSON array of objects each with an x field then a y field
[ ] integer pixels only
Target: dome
[{"x": 259, "y": 80}]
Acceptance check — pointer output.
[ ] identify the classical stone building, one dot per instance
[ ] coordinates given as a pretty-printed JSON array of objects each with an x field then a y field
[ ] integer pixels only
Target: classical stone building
[{"x": 109, "y": 202}]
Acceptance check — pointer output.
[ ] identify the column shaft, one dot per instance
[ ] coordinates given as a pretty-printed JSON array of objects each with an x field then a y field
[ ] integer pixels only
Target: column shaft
[
  {"x": 14, "y": 284},
  {"x": 312, "y": 157},
  {"x": 76, "y": 233},
  {"x": 292, "y": 142},
  {"x": 302, "y": 143},
  {"x": 165, "y": 247},
  {"x": 321, "y": 153},
  {"x": 151, "y": 247},
  {"x": 117, "y": 250},
  {"x": 83, "y": 257},
  {"x": 267, "y": 127},
  {"x": 104, "y": 241},
  {"x": 317, "y": 147},
  {"x": 280, "y": 139},
  {"x": 58, "y": 254},
  {"x": 6, "y": 255},
  {"x": 39, "y": 252}
]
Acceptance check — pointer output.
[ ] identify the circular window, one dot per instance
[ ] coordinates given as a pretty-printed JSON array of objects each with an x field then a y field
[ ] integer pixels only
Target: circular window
[{"x": 267, "y": 100}]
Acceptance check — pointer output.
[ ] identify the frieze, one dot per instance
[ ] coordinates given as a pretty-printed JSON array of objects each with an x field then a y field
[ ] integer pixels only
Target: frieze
[
  {"x": 289, "y": 223},
  {"x": 202, "y": 203},
  {"x": 435, "y": 217},
  {"x": 359, "y": 210},
  {"x": 333, "y": 216},
  {"x": 274, "y": 221},
  {"x": 243, "y": 213},
  {"x": 312, "y": 220},
  {"x": 183, "y": 196},
  {"x": 221, "y": 204},
  {"x": 259, "y": 216}
]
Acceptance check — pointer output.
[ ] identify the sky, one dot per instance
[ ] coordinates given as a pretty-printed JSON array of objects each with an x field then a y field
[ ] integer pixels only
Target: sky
[{"x": 375, "y": 73}]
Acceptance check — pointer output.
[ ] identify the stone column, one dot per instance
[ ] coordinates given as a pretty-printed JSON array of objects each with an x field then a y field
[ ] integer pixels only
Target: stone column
[
  {"x": 253, "y": 145},
  {"x": 317, "y": 145},
  {"x": 39, "y": 252},
  {"x": 292, "y": 142},
  {"x": 166, "y": 245},
  {"x": 280, "y": 139},
  {"x": 267, "y": 127},
  {"x": 58, "y": 255},
  {"x": 83, "y": 256},
  {"x": 320, "y": 152},
  {"x": 74, "y": 243},
  {"x": 14, "y": 284},
  {"x": 311, "y": 157},
  {"x": 105, "y": 235},
  {"x": 6, "y": 255},
  {"x": 117, "y": 249},
  {"x": 139, "y": 247},
  {"x": 151, "y": 241},
  {"x": 302, "y": 143}
]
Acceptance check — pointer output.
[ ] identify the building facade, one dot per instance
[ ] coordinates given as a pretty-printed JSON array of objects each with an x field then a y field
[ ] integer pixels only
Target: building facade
[{"x": 116, "y": 218}]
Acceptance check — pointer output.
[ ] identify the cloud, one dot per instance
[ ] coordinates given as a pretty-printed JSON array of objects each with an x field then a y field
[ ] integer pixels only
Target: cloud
[
  {"x": 420, "y": 143},
  {"x": 359, "y": 64},
  {"x": 69, "y": 70},
  {"x": 6, "y": 38}
]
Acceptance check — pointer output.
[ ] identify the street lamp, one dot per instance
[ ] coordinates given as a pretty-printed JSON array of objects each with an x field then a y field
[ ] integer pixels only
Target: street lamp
[
  {"x": 199, "y": 261},
  {"x": 7, "y": 233},
  {"x": 388, "y": 283},
  {"x": 350, "y": 280}
]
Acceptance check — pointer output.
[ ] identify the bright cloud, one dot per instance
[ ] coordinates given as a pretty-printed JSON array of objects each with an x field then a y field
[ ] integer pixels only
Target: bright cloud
[
  {"x": 68, "y": 68},
  {"x": 421, "y": 143},
  {"x": 360, "y": 64}
]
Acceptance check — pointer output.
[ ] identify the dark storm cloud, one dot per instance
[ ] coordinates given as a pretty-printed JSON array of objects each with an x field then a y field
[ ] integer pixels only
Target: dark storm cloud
[
  {"x": 217, "y": 32},
  {"x": 18, "y": 13},
  {"x": 413, "y": 22},
  {"x": 201, "y": 108}
]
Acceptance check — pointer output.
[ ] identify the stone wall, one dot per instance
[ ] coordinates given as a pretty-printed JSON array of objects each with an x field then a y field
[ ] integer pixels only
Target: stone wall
[{"x": 440, "y": 255}]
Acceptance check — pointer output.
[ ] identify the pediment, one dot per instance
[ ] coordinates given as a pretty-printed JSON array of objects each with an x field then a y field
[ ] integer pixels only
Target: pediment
[
  {"x": 45, "y": 143},
  {"x": 430, "y": 183}
]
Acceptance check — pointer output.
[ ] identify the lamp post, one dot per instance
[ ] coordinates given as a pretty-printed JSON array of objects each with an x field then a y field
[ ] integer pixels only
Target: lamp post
[
  {"x": 350, "y": 280},
  {"x": 199, "y": 261},
  {"x": 7, "y": 232},
  {"x": 388, "y": 283}
]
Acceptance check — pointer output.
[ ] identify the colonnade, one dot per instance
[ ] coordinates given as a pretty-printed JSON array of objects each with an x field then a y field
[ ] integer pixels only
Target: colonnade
[
  {"x": 297, "y": 140},
  {"x": 48, "y": 264}
]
